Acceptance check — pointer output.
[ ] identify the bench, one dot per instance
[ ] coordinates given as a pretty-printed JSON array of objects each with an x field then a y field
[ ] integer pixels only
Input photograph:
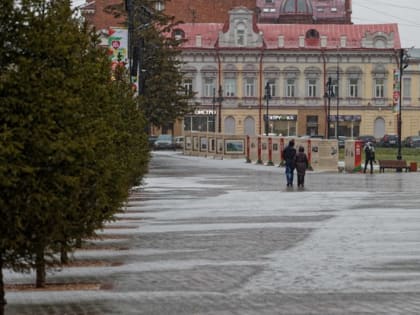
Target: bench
[{"x": 396, "y": 164}]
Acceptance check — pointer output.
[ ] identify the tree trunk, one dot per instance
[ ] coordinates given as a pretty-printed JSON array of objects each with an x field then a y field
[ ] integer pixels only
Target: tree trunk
[
  {"x": 64, "y": 257},
  {"x": 40, "y": 269},
  {"x": 2, "y": 294}
]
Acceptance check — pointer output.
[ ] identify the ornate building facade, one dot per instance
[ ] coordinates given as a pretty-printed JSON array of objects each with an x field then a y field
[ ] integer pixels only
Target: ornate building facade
[
  {"x": 297, "y": 47},
  {"x": 229, "y": 66}
]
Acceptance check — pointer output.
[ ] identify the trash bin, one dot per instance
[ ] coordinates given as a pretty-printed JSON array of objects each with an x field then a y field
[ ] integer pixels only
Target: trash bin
[{"x": 413, "y": 167}]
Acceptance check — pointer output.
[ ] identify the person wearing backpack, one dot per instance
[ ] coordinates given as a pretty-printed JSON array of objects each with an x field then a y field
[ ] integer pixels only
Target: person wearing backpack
[{"x": 369, "y": 156}]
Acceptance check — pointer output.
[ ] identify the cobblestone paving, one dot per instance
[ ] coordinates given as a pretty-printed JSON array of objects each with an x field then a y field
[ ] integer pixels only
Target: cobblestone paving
[{"x": 206, "y": 237}]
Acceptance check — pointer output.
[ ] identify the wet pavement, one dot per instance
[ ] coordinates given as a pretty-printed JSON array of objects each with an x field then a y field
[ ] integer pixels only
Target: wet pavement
[{"x": 223, "y": 237}]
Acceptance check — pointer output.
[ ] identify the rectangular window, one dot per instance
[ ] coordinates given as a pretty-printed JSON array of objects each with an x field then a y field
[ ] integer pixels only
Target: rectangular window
[
  {"x": 188, "y": 86},
  {"x": 379, "y": 88},
  {"x": 290, "y": 88},
  {"x": 208, "y": 87},
  {"x": 406, "y": 88},
  {"x": 249, "y": 87},
  {"x": 272, "y": 83},
  {"x": 159, "y": 6},
  {"x": 334, "y": 87},
  {"x": 230, "y": 87},
  {"x": 353, "y": 88},
  {"x": 312, "y": 88}
]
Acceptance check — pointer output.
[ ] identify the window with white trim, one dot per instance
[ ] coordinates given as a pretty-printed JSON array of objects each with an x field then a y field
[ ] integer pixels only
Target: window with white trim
[
  {"x": 272, "y": 83},
  {"x": 229, "y": 87},
  {"x": 188, "y": 86},
  {"x": 379, "y": 88},
  {"x": 312, "y": 88},
  {"x": 291, "y": 88},
  {"x": 209, "y": 87},
  {"x": 249, "y": 87},
  {"x": 353, "y": 88},
  {"x": 159, "y": 6},
  {"x": 334, "y": 87}
]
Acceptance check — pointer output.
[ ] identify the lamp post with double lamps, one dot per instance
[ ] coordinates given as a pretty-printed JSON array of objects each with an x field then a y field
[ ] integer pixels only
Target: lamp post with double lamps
[{"x": 267, "y": 97}]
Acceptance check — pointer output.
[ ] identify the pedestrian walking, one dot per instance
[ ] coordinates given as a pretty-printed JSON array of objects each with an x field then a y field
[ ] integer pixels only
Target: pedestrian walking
[
  {"x": 302, "y": 164},
  {"x": 369, "y": 150},
  {"x": 289, "y": 155}
]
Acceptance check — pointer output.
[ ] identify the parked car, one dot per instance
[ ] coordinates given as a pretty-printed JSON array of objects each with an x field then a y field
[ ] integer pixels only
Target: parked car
[
  {"x": 179, "y": 142},
  {"x": 152, "y": 140},
  {"x": 389, "y": 140},
  {"x": 366, "y": 138},
  {"x": 412, "y": 142},
  {"x": 164, "y": 142}
]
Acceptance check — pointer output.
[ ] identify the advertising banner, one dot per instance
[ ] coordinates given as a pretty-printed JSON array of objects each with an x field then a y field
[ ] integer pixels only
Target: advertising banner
[{"x": 118, "y": 46}]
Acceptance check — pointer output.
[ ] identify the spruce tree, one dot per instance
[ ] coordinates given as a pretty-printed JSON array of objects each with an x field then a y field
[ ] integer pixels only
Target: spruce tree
[{"x": 71, "y": 139}]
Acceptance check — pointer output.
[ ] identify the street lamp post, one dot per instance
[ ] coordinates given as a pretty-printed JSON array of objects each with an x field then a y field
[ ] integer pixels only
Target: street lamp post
[
  {"x": 338, "y": 99},
  {"x": 328, "y": 95},
  {"x": 403, "y": 65},
  {"x": 267, "y": 96},
  {"x": 219, "y": 112},
  {"x": 213, "y": 115}
]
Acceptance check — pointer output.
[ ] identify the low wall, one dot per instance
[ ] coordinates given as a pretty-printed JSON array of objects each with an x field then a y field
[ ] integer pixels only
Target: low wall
[{"x": 267, "y": 150}]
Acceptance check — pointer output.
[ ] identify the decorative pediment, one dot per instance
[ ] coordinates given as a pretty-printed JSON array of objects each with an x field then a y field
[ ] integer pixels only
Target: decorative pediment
[
  {"x": 241, "y": 31},
  {"x": 378, "y": 40}
]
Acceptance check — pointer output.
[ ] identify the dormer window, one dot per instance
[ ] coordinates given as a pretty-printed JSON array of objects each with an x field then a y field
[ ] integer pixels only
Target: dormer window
[
  {"x": 312, "y": 34},
  {"x": 178, "y": 34}
]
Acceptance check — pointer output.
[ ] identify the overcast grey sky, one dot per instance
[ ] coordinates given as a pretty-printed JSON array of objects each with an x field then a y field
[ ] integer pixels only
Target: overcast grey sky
[{"x": 406, "y": 13}]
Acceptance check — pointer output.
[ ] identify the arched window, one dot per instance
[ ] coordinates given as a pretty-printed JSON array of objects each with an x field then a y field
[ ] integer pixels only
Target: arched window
[
  {"x": 178, "y": 34},
  {"x": 249, "y": 126},
  {"x": 296, "y": 6},
  {"x": 312, "y": 33},
  {"x": 379, "y": 127},
  {"x": 230, "y": 125}
]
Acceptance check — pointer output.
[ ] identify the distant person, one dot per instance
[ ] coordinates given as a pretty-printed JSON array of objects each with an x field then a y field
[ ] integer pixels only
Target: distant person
[
  {"x": 369, "y": 150},
  {"x": 289, "y": 155},
  {"x": 302, "y": 164}
]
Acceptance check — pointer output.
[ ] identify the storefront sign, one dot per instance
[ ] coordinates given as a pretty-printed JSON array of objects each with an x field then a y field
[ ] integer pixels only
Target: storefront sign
[
  {"x": 281, "y": 117},
  {"x": 205, "y": 112},
  {"x": 354, "y": 118}
]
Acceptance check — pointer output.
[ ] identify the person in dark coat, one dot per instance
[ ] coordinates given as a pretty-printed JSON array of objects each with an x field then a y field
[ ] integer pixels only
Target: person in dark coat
[
  {"x": 369, "y": 156},
  {"x": 289, "y": 154},
  {"x": 302, "y": 164}
]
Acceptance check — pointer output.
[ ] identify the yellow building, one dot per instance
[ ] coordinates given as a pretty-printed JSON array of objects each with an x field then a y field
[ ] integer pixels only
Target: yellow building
[{"x": 308, "y": 71}]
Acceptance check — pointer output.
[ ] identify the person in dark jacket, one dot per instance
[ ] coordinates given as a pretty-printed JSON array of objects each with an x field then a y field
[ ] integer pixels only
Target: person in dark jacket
[
  {"x": 301, "y": 165},
  {"x": 369, "y": 156},
  {"x": 289, "y": 155}
]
